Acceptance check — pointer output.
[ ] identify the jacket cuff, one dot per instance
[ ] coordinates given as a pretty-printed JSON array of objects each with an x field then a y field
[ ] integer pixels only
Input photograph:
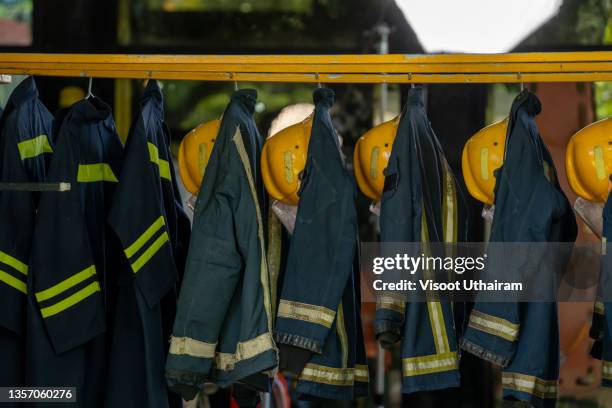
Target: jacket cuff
[
  {"x": 387, "y": 327},
  {"x": 299, "y": 341},
  {"x": 184, "y": 383},
  {"x": 483, "y": 353}
]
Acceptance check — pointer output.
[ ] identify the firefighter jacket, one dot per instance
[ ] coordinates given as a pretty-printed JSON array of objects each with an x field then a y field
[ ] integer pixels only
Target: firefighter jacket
[
  {"x": 530, "y": 206},
  {"x": 73, "y": 258},
  {"x": 421, "y": 202},
  {"x": 319, "y": 308},
  {"x": 26, "y": 145},
  {"x": 145, "y": 216},
  {"x": 223, "y": 328}
]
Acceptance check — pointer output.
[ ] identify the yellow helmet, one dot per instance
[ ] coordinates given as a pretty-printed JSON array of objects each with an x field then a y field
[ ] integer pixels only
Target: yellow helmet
[
  {"x": 194, "y": 153},
  {"x": 482, "y": 155},
  {"x": 282, "y": 160},
  {"x": 371, "y": 156},
  {"x": 588, "y": 161}
]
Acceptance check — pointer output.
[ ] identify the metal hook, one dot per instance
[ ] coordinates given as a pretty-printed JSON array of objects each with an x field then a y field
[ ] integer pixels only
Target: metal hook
[
  {"x": 520, "y": 77},
  {"x": 89, "y": 86},
  {"x": 410, "y": 79},
  {"x": 318, "y": 82},
  {"x": 235, "y": 85}
]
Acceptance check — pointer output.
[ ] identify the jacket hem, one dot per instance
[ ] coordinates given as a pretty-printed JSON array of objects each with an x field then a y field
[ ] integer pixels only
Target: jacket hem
[
  {"x": 298, "y": 341},
  {"x": 267, "y": 360},
  {"x": 326, "y": 391},
  {"x": 483, "y": 353},
  {"x": 533, "y": 401},
  {"x": 178, "y": 379}
]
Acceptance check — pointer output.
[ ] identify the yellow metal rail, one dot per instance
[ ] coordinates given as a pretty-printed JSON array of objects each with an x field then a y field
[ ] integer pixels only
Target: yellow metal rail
[{"x": 393, "y": 68}]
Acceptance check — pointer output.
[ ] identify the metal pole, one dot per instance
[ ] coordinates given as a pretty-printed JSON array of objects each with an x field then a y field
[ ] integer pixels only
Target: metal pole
[{"x": 383, "y": 31}]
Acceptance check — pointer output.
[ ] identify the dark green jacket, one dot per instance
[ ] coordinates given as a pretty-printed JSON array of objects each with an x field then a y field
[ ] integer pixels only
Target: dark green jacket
[
  {"x": 421, "y": 202},
  {"x": 319, "y": 307},
  {"x": 530, "y": 206},
  {"x": 223, "y": 328}
]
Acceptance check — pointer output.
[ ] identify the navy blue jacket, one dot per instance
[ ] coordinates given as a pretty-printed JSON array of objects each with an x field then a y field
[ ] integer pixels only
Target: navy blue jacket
[
  {"x": 146, "y": 215},
  {"x": 74, "y": 257},
  {"x": 26, "y": 144}
]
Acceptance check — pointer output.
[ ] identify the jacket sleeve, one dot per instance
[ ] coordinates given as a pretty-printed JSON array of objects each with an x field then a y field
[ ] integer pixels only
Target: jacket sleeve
[
  {"x": 212, "y": 273},
  {"x": 139, "y": 220},
  {"x": 17, "y": 215},
  {"x": 65, "y": 283}
]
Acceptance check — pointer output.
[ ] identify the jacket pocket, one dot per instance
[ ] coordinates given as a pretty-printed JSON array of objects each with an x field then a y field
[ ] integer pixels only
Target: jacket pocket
[
  {"x": 221, "y": 252},
  {"x": 316, "y": 193}
]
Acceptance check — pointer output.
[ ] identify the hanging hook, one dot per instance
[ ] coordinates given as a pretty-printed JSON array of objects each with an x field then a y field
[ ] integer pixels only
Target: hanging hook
[
  {"x": 89, "y": 86},
  {"x": 410, "y": 79},
  {"x": 318, "y": 81},
  {"x": 235, "y": 85},
  {"x": 520, "y": 77}
]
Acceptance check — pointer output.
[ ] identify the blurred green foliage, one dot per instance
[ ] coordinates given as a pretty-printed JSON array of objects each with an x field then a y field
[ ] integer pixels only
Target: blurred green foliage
[{"x": 17, "y": 10}]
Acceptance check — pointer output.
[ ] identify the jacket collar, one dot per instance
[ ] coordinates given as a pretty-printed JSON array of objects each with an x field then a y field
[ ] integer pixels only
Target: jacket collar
[
  {"x": 246, "y": 98},
  {"x": 24, "y": 92},
  {"x": 528, "y": 101},
  {"x": 416, "y": 96},
  {"x": 92, "y": 109},
  {"x": 323, "y": 96}
]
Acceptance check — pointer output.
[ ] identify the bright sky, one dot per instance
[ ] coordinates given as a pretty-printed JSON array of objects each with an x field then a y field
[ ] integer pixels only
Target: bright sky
[{"x": 485, "y": 26}]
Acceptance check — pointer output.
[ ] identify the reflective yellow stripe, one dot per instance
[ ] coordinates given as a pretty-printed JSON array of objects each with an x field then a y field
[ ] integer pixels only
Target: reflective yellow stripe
[
  {"x": 34, "y": 147},
  {"x": 192, "y": 347},
  {"x": 362, "y": 374},
  {"x": 91, "y": 173},
  {"x": 66, "y": 284},
  {"x": 374, "y": 163},
  {"x": 434, "y": 363},
  {"x": 149, "y": 232},
  {"x": 152, "y": 250},
  {"x": 387, "y": 302},
  {"x": 288, "y": 165},
  {"x": 71, "y": 300},
  {"x": 599, "y": 307},
  {"x": 13, "y": 282},
  {"x": 530, "y": 385},
  {"x": 606, "y": 370},
  {"x": 305, "y": 312},
  {"x": 244, "y": 350},
  {"x": 164, "y": 166},
  {"x": 342, "y": 335},
  {"x": 599, "y": 163},
  {"x": 494, "y": 325},
  {"x": 327, "y": 375},
  {"x": 438, "y": 327},
  {"x": 484, "y": 163},
  {"x": 14, "y": 263}
]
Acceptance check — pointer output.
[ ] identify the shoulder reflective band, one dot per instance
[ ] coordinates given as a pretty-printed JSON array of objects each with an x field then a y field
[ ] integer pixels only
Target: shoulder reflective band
[
  {"x": 91, "y": 173},
  {"x": 65, "y": 285},
  {"x": 164, "y": 166},
  {"x": 305, "y": 312},
  {"x": 34, "y": 147},
  {"x": 143, "y": 239}
]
